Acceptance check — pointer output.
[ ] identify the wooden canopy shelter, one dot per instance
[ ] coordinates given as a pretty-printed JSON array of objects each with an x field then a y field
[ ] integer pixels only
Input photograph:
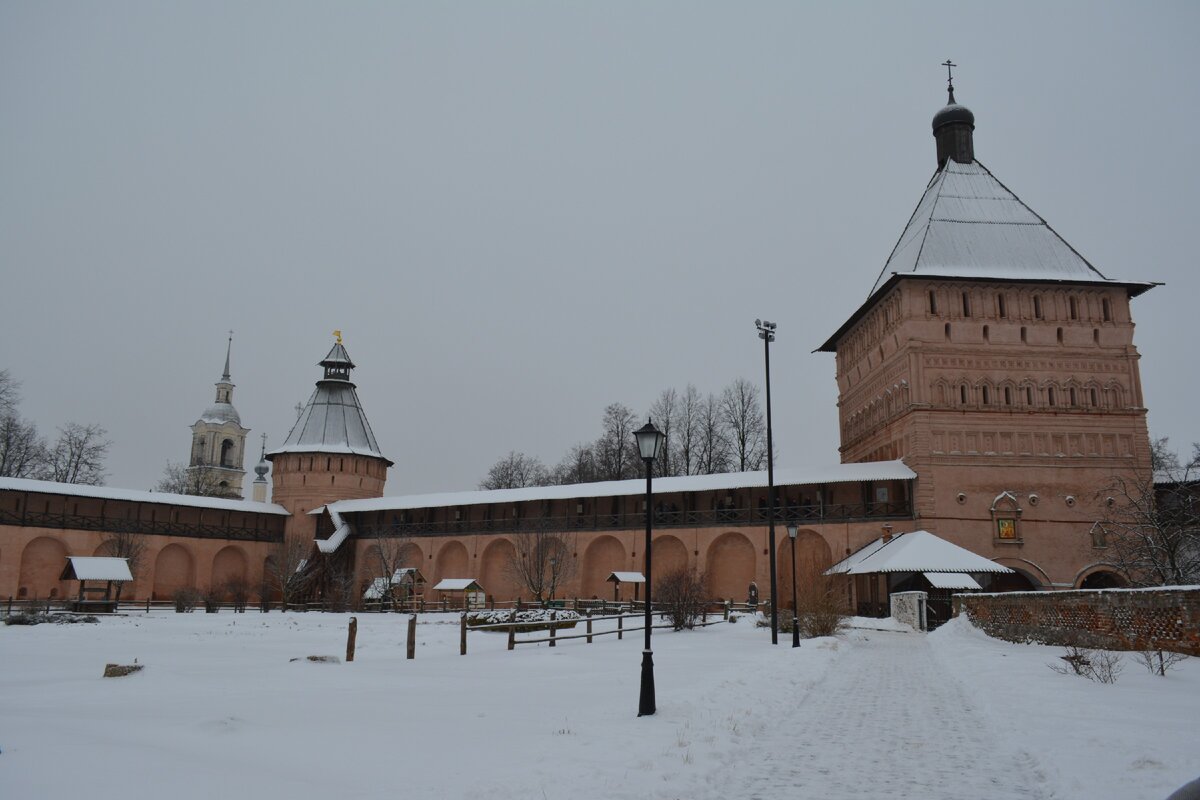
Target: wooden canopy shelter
[
  {"x": 96, "y": 569},
  {"x": 617, "y": 578},
  {"x": 472, "y": 594}
]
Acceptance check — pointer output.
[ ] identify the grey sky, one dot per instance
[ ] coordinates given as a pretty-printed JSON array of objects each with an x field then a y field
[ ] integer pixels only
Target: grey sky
[{"x": 520, "y": 212}]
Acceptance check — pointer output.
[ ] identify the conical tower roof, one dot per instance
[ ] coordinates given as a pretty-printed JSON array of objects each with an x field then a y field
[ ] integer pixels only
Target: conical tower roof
[{"x": 333, "y": 420}]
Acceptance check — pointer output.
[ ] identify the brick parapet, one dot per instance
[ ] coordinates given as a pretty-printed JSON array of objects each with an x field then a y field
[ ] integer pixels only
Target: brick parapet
[{"x": 1111, "y": 619}]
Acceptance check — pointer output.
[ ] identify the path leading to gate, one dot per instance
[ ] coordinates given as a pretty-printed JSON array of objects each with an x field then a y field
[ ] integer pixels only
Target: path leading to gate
[{"x": 889, "y": 721}]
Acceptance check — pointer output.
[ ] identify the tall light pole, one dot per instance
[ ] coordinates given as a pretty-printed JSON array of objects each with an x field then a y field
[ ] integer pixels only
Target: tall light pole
[
  {"x": 649, "y": 441},
  {"x": 792, "y": 531},
  {"x": 766, "y": 332}
]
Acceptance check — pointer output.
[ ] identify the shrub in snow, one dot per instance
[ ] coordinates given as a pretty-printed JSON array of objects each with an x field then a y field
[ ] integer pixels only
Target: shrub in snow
[
  {"x": 1158, "y": 662},
  {"x": 681, "y": 594},
  {"x": 1102, "y": 666},
  {"x": 212, "y": 599},
  {"x": 186, "y": 599},
  {"x": 57, "y": 619}
]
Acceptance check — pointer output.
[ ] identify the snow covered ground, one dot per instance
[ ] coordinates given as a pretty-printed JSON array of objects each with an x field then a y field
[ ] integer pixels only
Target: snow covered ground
[{"x": 219, "y": 711}]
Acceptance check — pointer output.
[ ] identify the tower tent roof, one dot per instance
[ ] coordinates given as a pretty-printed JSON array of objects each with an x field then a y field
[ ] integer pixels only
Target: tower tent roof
[
  {"x": 333, "y": 420},
  {"x": 969, "y": 225}
]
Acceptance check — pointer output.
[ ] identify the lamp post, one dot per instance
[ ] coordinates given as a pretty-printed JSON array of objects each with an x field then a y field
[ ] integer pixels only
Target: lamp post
[
  {"x": 649, "y": 441},
  {"x": 791, "y": 528},
  {"x": 766, "y": 332}
]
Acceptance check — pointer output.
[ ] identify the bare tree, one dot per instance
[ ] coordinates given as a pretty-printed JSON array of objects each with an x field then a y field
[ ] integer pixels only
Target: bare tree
[
  {"x": 577, "y": 466},
  {"x": 516, "y": 471},
  {"x": 541, "y": 562},
  {"x": 745, "y": 425},
  {"x": 687, "y": 438},
  {"x": 713, "y": 452},
  {"x": 178, "y": 479},
  {"x": 10, "y": 392},
  {"x": 664, "y": 412},
  {"x": 682, "y": 594},
  {"x": 129, "y": 546},
  {"x": 22, "y": 450},
  {"x": 78, "y": 455},
  {"x": 616, "y": 456},
  {"x": 286, "y": 571},
  {"x": 387, "y": 556},
  {"x": 1150, "y": 530}
]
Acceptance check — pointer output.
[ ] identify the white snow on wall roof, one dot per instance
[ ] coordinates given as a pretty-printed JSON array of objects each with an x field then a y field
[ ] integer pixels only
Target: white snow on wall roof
[
  {"x": 919, "y": 551},
  {"x": 138, "y": 496},
  {"x": 968, "y": 224},
  {"x": 627, "y": 577},
  {"x": 836, "y": 473},
  {"x": 98, "y": 568},
  {"x": 951, "y": 580}
]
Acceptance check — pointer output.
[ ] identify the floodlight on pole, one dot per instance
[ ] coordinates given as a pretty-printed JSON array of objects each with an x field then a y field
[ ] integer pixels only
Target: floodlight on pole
[{"x": 766, "y": 332}]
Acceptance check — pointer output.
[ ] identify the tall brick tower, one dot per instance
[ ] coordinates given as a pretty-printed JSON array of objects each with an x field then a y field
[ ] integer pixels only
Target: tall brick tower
[
  {"x": 999, "y": 364},
  {"x": 330, "y": 453}
]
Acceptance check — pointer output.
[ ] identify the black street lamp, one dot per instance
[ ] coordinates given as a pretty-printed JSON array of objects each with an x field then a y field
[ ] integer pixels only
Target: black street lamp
[
  {"x": 766, "y": 332},
  {"x": 791, "y": 528},
  {"x": 650, "y": 442}
]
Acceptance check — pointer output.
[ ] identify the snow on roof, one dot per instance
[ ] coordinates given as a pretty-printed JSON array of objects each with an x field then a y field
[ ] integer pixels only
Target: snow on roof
[
  {"x": 968, "y": 224},
  {"x": 333, "y": 421},
  {"x": 836, "y": 473},
  {"x": 96, "y": 568},
  {"x": 138, "y": 496},
  {"x": 951, "y": 580},
  {"x": 457, "y": 585},
  {"x": 626, "y": 577},
  {"x": 919, "y": 551}
]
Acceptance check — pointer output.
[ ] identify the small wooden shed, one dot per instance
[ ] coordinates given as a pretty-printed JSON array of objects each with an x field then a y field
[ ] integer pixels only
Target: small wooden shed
[
  {"x": 472, "y": 594},
  {"x": 617, "y": 578},
  {"x": 410, "y": 581},
  {"x": 96, "y": 570}
]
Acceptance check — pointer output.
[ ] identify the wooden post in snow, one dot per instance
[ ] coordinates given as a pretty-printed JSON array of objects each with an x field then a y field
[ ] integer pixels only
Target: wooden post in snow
[
  {"x": 462, "y": 634},
  {"x": 351, "y": 635},
  {"x": 589, "y": 627},
  {"x": 552, "y": 627},
  {"x": 620, "y": 626},
  {"x": 412, "y": 637}
]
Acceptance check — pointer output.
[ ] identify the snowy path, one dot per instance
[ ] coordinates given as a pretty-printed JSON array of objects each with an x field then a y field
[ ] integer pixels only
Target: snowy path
[{"x": 889, "y": 721}]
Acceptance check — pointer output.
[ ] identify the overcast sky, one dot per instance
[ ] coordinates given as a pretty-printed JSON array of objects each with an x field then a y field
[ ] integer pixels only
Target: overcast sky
[{"x": 518, "y": 213}]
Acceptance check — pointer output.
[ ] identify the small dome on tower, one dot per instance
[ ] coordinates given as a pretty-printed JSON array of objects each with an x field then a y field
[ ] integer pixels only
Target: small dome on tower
[
  {"x": 262, "y": 468},
  {"x": 220, "y": 413},
  {"x": 953, "y": 113}
]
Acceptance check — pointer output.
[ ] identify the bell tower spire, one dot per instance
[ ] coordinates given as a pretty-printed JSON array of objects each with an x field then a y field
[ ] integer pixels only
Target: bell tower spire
[{"x": 219, "y": 443}]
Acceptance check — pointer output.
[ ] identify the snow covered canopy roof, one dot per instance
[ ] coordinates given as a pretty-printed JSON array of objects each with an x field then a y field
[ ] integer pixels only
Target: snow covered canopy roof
[
  {"x": 457, "y": 585},
  {"x": 626, "y": 577},
  {"x": 835, "y": 473},
  {"x": 919, "y": 551},
  {"x": 951, "y": 580},
  {"x": 138, "y": 496},
  {"x": 96, "y": 568}
]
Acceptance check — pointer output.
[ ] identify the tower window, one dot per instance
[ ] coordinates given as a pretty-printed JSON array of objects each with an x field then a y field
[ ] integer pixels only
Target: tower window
[
  {"x": 1050, "y": 395},
  {"x": 987, "y": 396},
  {"x": 1060, "y": 336},
  {"x": 1107, "y": 309},
  {"x": 1007, "y": 396},
  {"x": 986, "y": 336},
  {"x": 1073, "y": 398},
  {"x": 1037, "y": 306},
  {"x": 962, "y": 394},
  {"x": 1094, "y": 403},
  {"x": 933, "y": 302},
  {"x": 1029, "y": 395},
  {"x": 227, "y": 453},
  {"x": 1074, "y": 308},
  {"x": 966, "y": 298},
  {"x": 1024, "y": 335},
  {"x": 947, "y": 331},
  {"x": 1096, "y": 335},
  {"x": 1003, "y": 307}
]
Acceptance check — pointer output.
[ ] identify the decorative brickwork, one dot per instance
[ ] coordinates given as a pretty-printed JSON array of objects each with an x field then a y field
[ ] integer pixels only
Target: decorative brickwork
[{"x": 1111, "y": 619}]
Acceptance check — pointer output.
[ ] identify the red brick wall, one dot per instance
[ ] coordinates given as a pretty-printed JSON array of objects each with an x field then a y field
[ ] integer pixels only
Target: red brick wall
[{"x": 1110, "y": 619}]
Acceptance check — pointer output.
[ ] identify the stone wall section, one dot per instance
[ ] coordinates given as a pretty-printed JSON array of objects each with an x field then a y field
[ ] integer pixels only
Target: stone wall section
[{"x": 1110, "y": 619}]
